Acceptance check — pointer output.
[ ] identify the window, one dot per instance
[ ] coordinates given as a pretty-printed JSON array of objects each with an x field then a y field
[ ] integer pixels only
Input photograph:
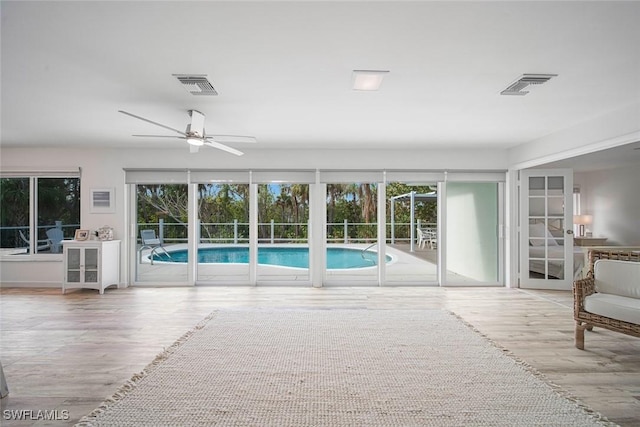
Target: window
[{"x": 36, "y": 213}]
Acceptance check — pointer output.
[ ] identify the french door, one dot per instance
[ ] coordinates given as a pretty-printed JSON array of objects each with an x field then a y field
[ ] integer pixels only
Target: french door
[{"x": 546, "y": 235}]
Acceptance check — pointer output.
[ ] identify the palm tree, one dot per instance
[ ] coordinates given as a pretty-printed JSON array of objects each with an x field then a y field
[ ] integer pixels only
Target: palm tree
[
  {"x": 299, "y": 200},
  {"x": 335, "y": 192}
]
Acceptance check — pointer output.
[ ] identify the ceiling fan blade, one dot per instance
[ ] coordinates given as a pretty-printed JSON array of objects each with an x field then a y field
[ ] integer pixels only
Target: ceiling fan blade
[
  {"x": 223, "y": 147},
  {"x": 234, "y": 138},
  {"x": 161, "y": 136},
  {"x": 152, "y": 122}
]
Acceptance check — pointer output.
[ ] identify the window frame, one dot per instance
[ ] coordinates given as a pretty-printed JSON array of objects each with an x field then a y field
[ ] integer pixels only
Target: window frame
[{"x": 33, "y": 177}]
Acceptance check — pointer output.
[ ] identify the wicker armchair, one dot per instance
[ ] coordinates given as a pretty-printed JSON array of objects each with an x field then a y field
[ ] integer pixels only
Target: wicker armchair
[{"x": 585, "y": 287}]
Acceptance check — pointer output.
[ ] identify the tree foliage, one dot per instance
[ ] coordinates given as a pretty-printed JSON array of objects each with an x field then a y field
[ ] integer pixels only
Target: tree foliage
[
  {"x": 58, "y": 200},
  {"x": 287, "y": 205}
]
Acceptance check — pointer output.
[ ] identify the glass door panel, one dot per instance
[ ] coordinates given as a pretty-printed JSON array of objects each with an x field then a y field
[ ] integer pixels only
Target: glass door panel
[
  {"x": 546, "y": 235},
  {"x": 283, "y": 233},
  {"x": 472, "y": 239},
  {"x": 352, "y": 240},
  {"x": 412, "y": 234},
  {"x": 73, "y": 265},
  {"x": 223, "y": 247},
  {"x": 162, "y": 213}
]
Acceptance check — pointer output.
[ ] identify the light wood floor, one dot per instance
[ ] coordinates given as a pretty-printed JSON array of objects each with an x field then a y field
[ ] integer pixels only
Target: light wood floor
[{"x": 70, "y": 352}]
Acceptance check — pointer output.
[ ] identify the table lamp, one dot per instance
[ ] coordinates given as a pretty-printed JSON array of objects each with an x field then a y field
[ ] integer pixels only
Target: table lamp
[{"x": 582, "y": 220}]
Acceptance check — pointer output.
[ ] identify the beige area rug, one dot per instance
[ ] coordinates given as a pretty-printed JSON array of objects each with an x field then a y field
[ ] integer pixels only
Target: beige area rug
[{"x": 338, "y": 368}]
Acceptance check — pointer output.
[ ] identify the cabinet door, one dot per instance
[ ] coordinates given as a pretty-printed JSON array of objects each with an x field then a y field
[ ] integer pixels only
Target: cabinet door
[
  {"x": 91, "y": 256},
  {"x": 73, "y": 265}
]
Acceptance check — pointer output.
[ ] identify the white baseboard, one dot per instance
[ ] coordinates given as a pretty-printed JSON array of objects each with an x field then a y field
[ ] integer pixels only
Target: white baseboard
[
  {"x": 43, "y": 285},
  {"x": 31, "y": 285}
]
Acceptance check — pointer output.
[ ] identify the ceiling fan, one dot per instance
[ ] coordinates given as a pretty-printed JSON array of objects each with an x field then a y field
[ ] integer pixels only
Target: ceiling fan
[{"x": 195, "y": 134}]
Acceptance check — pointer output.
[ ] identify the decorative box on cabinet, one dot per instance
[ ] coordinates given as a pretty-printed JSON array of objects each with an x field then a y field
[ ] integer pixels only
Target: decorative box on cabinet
[{"x": 92, "y": 264}]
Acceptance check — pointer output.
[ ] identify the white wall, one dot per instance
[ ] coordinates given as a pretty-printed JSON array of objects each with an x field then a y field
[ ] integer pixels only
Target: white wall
[
  {"x": 610, "y": 130},
  {"x": 612, "y": 196},
  {"x": 103, "y": 168}
]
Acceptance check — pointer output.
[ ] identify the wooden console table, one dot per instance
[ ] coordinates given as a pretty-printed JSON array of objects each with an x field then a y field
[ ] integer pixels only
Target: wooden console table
[{"x": 590, "y": 241}]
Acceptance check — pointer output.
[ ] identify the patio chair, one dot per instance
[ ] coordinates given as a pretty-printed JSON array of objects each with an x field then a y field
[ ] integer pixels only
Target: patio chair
[
  {"x": 28, "y": 243},
  {"x": 432, "y": 238},
  {"x": 427, "y": 237},
  {"x": 150, "y": 241},
  {"x": 54, "y": 239}
]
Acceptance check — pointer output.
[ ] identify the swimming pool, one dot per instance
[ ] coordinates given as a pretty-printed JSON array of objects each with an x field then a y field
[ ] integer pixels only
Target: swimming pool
[{"x": 298, "y": 257}]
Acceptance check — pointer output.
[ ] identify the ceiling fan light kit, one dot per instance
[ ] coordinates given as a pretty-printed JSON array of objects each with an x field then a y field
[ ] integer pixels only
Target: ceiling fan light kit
[{"x": 195, "y": 141}]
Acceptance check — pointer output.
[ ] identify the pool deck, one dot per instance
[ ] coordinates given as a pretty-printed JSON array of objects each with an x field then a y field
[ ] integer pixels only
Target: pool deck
[{"x": 406, "y": 268}]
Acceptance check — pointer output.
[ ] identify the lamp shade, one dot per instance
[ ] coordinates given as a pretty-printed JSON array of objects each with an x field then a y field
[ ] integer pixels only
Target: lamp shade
[{"x": 582, "y": 219}]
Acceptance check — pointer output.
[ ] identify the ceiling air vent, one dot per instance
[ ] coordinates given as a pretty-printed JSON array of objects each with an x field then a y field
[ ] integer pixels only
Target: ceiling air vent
[
  {"x": 196, "y": 84},
  {"x": 516, "y": 88}
]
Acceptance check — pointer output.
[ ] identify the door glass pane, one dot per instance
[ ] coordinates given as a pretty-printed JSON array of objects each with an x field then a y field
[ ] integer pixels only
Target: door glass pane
[
  {"x": 556, "y": 206},
  {"x": 283, "y": 230},
  {"x": 162, "y": 230},
  {"x": 536, "y": 206},
  {"x": 73, "y": 265},
  {"x": 73, "y": 259},
  {"x": 91, "y": 258},
  {"x": 413, "y": 246},
  {"x": 556, "y": 185},
  {"x": 352, "y": 233},
  {"x": 536, "y": 186},
  {"x": 472, "y": 249},
  {"x": 223, "y": 248}
]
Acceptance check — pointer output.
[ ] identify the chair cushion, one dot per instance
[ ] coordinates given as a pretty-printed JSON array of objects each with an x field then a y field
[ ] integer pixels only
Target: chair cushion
[
  {"x": 617, "y": 277},
  {"x": 614, "y": 307}
]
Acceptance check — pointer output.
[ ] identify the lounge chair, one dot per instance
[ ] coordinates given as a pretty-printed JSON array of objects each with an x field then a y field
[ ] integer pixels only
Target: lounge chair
[
  {"x": 54, "y": 238},
  {"x": 40, "y": 248},
  {"x": 150, "y": 241}
]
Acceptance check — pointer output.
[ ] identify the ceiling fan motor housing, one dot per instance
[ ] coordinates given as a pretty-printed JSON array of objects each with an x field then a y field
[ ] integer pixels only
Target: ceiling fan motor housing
[{"x": 196, "y": 127}]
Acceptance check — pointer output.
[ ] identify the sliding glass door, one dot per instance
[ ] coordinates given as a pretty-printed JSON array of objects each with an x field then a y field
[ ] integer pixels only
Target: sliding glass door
[
  {"x": 351, "y": 233},
  {"x": 283, "y": 233},
  {"x": 161, "y": 233},
  {"x": 412, "y": 233},
  {"x": 472, "y": 238},
  {"x": 223, "y": 233},
  {"x": 339, "y": 228}
]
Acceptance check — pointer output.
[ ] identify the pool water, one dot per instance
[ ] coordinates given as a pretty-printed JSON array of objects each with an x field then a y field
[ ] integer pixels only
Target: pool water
[{"x": 337, "y": 258}]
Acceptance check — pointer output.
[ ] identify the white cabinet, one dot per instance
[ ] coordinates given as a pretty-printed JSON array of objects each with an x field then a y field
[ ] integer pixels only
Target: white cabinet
[{"x": 92, "y": 264}]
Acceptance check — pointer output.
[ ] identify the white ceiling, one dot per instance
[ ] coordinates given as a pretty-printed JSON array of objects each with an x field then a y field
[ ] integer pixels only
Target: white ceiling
[{"x": 283, "y": 70}]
